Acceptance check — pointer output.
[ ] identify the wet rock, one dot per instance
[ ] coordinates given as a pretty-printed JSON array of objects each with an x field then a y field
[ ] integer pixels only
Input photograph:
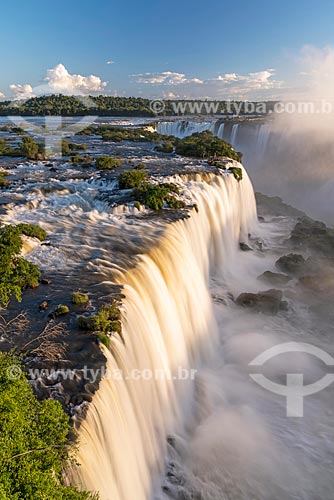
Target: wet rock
[
  {"x": 274, "y": 278},
  {"x": 273, "y": 205},
  {"x": 87, "y": 397},
  {"x": 46, "y": 281},
  {"x": 292, "y": 263},
  {"x": 43, "y": 305},
  {"x": 311, "y": 283},
  {"x": 63, "y": 399},
  {"x": 77, "y": 399},
  {"x": 266, "y": 302},
  {"x": 259, "y": 244},
  {"x": 244, "y": 247},
  {"x": 314, "y": 235}
]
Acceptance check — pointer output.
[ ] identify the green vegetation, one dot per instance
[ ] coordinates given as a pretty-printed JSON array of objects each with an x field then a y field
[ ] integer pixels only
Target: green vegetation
[
  {"x": 80, "y": 298},
  {"x": 61, "y": 310},
  {"x": 104, "y": 339},
  {"x": 56, "y": 105},
  {"x": 16, "y": 273},
  {"x": 119, "y": 134},
  {"x": 61, "y": 105},
  {"x": 154, "y": 196},
  {"x": 3, "y": 181},
  {"x": 31, "y": 149},
  {"x": 83, "y": 161},
  {"x": 204, "y": 145},
  {"x": 237, "y": 172},
  {"x": 165, "y": 147},
  {"x": 33, "y": 231},
  {"x": 7, "y": 150},
  {"x": 69, "y": 148},
  {"x": 28, "y": 148},
  {"x": 131, "y": 179},
  {"x": 105, "y": 321},
  {"x": 108, "y": 162},
  {"x": 34, "y": 445},
  {"x": 174, "y": 203}
]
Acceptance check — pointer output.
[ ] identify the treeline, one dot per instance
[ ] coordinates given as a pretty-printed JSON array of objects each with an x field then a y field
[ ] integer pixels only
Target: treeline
[{"x": 61, "y": 105}]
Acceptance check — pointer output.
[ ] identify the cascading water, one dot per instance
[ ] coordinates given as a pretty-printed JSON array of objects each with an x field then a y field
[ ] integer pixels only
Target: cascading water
[
  {"x": 220, "y": 132},
  {"x": 184, "y": 128},
  {"x": 228, "y": 439},
  {"x": 279, "y": 155},
  {"x": 234, "y": 134},
  {"x": 262, "y": 140},
  {"x": 168, "y": 322}
]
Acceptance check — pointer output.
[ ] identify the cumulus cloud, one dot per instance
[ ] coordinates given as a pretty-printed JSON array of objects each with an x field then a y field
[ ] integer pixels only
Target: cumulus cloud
[
  {"x": 59, "y": 81},
  {"x": 169, "y": 95},
  {"x": 225, "y": 86},
  {"x": 165, "y": 78},
  {"x": 2, "y": 96},
  {"x": 250, "y": 85},
  {"x": 110, "y": 62},
  {"x": 21, "y": 91}
]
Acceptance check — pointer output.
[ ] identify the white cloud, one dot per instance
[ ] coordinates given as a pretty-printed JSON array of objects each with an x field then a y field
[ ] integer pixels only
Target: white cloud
[
  {"x": 110, "y": 62},
  {"x": 59, "y": 81},
  {"x": 2, "y": 96},
  {"x": 165, "y": 78},
  {"x": 21, "y": 91},
  {"x": 226, "y": 86},
  {"x": 251, "y": 85},
  {"x": 169, "y": 95}
]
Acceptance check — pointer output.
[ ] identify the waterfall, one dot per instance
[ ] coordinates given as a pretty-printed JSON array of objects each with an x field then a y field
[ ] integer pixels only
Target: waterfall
[
  {"x": 168, "y": 323},
  {"x": 184, "y": 128},
  {"x": 234, "y": 133},
  {"x": 220, "y": 132},
  {"x": 262, "y": 139}
]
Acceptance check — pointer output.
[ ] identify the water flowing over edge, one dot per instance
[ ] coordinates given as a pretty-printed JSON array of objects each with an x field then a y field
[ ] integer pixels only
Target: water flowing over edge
[{"x": 168, "y": 324}]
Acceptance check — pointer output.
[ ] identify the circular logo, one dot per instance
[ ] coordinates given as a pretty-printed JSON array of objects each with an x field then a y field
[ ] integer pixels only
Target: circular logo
[
  {"x": 14, "y": 372},
  {"x": 157, "y": 106}
]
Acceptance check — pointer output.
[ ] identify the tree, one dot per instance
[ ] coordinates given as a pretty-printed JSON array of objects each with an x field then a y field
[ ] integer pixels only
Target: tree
[
  {"x": 108, "y": 162},
  {"x": 33, "y": 441},
  {"x": 30, "y": 149}
]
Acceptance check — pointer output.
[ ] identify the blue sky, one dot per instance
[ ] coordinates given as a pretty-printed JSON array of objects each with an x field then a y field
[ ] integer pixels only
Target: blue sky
[{"x": 180, "y": 47}]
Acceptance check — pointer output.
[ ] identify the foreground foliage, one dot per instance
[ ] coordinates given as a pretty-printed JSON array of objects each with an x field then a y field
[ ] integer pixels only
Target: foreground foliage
[
  {"x": 16, "y": 273},
  {"x": 33, "y": 441}
]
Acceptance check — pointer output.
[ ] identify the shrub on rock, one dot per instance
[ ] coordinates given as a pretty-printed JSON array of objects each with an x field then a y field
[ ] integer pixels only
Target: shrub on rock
[
  {"x": 131, "y": 179},
  {"x": 107, "y": 162}
]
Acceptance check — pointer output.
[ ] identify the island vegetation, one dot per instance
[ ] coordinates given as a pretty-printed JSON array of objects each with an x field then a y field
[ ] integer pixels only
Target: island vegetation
[{"x": 63, "y": 105}]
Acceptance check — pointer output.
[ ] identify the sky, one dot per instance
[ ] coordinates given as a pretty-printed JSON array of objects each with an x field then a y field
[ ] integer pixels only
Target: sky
[{"x": 246, "y": 49}]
